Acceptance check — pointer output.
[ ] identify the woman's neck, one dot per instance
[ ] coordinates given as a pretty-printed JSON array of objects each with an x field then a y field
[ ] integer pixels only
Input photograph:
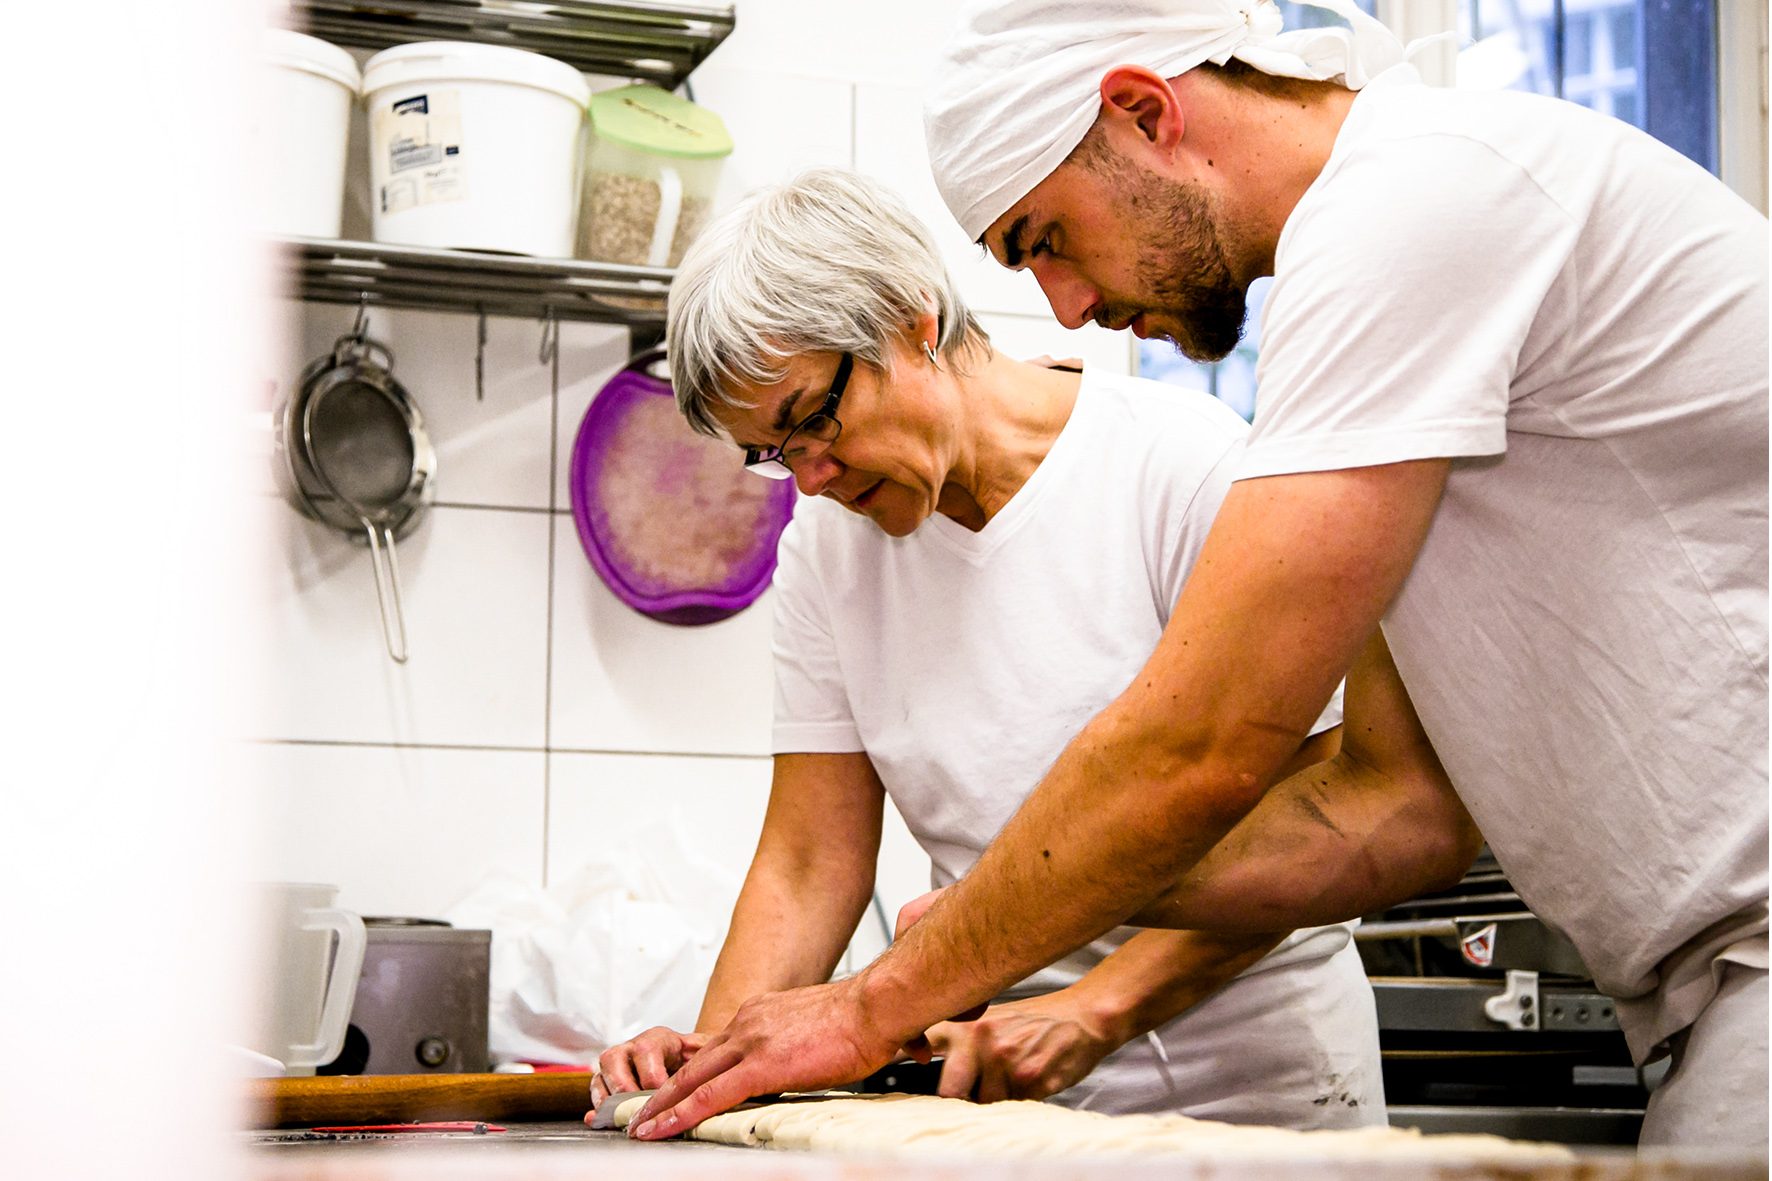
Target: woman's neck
[{"x": 1011, "y": 414}]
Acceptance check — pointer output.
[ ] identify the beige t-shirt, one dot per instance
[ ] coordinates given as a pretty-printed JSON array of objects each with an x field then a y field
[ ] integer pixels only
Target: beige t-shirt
[{"x": 1576, "y": 315}]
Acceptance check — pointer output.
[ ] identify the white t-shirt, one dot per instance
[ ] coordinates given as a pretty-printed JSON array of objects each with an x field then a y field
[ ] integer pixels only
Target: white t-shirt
[
  {"x": 1577, "y": 315},
  {"x": 962, "y": 663}
]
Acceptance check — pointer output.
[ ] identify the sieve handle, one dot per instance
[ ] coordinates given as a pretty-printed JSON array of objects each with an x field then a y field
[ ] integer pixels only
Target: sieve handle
[{"x": 394, "y": 628}]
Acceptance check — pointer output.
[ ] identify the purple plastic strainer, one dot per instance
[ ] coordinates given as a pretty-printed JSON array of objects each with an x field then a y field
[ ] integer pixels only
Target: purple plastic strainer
[{"x": 668, "y": 518}]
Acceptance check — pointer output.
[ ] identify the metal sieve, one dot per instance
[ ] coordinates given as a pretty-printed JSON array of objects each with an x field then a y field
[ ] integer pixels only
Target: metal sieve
[{"x": 357, "y": 458}]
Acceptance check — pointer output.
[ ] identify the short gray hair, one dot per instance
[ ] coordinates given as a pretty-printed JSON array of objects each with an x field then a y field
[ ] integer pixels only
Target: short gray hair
[{"x": 828, "y": 262}]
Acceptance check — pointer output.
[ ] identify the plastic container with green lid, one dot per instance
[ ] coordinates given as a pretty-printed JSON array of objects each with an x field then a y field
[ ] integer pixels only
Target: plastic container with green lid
[{"x": 654, "y": 163}]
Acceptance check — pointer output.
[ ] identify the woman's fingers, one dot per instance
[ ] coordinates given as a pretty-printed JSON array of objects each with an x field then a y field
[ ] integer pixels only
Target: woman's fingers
[
  {"x": 960, "y": 1069},
  {"x": 650, "y": 1067},
  {"x": 642, "y": 1063},
  {"x": 615, "y": 1069},
  {"x": 993, "y": 1077}
]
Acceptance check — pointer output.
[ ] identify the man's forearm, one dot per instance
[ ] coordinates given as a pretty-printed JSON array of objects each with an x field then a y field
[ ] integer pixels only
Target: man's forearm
[
  {"x": 1290, "y": 585},
  {"x": 1156, "y": 976},
  {"x": 1076, "y": 860}
]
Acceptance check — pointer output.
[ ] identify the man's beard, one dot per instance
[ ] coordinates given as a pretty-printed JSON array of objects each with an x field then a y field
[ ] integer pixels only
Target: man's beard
[{"x": 1183, "y": 277}]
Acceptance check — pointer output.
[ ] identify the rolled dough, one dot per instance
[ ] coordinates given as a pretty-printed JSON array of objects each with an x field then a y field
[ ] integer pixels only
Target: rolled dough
[{"x": 921, "y": 1125}]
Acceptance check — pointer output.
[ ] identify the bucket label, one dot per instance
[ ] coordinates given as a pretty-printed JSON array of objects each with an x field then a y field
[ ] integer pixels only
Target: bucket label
[{"x": 420, "y": 138}]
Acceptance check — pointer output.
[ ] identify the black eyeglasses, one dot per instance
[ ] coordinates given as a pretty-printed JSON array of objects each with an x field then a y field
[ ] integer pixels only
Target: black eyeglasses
[{"x": 808, "y": 440}]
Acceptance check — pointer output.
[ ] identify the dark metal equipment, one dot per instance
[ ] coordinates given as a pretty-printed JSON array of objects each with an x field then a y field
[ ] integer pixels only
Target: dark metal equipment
[
  {"x": 422, "y": 1001},
  {"x": 1488, "y": 1021}
]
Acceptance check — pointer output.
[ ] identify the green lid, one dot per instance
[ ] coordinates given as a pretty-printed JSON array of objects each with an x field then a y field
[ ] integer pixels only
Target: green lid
[{"x": 657, "y": 121}]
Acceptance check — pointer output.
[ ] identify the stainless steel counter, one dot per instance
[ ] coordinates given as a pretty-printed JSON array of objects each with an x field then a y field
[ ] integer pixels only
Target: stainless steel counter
[
  {"x": 525, "y": 1138},
  {"x": 563, "y": 1151}
]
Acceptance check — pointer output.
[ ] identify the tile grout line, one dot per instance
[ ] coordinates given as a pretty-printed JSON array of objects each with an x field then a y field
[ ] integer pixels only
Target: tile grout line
[
  {"x": 550, "y": 507},
  {"x": 493, "y": 748},
  {"x": 547, "y": 693}
]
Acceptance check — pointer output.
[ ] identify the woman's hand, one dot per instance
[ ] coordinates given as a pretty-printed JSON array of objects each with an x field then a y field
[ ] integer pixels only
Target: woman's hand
[
  {"x": 1025, "y": 1049},
  {"x": 913, "y": 910},
  {"x": 643, "y": 1063}
]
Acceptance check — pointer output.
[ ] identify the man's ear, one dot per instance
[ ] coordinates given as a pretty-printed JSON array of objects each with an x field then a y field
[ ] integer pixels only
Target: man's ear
[{"x": 1139, "y": 104}]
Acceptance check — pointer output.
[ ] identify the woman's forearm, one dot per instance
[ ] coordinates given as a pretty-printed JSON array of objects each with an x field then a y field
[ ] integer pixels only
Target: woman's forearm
[
  {"x": 787, "y": 930},
  {"x": 808, "y": 885}
]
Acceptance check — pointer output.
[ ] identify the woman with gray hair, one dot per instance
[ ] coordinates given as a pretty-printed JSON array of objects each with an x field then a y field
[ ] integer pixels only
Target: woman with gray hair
[{"x": 987, "y": 552}]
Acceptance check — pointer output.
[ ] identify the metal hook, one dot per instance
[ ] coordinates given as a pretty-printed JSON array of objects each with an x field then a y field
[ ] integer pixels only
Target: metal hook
[
  {"x": 360, "y": 328},
  {"x": 480, "y": 357},
  {"x": 550, "y": 337}
]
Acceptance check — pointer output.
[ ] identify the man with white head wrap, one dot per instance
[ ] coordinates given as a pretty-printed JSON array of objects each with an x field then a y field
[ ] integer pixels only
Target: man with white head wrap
[
  {"x": 1512, "y": 405},
  {"x": 1023, "y": 80}
]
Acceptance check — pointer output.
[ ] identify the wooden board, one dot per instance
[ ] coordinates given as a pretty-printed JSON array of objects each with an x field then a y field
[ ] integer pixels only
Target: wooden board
[{"x": 403, "y": 1098}]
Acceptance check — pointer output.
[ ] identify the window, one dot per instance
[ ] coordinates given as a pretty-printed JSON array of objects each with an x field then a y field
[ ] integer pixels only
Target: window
[{"x": 1651, "y": 63}]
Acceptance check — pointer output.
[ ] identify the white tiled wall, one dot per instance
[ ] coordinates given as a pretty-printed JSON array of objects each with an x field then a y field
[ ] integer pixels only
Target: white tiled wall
[{"x": 538, "y": 715}]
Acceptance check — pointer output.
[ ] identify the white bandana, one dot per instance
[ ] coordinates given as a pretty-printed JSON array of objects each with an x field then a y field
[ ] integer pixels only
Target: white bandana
[{"x": 1019, "y": 83}]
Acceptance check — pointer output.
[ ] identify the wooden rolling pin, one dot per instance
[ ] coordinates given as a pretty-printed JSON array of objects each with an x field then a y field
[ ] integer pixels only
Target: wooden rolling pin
[{"x": 406, "y": 1098}]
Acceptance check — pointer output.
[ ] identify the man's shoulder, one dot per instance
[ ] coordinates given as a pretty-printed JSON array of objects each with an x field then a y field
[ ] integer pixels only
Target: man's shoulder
[
  {"x": 1408, "y": 141},
  {"x": 1396, "y": 114}
]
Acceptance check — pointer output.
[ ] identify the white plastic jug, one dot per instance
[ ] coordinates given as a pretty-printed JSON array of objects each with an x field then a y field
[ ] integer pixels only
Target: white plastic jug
[
  {"x": 474, "y": 147},
  {"x": 305, "y": 1006}
]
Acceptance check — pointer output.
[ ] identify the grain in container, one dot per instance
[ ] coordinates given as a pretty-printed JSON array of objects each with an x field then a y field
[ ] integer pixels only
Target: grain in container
[
  {"x": 474, "y": 147},
  {"x": 310, "y": 87},
  {"x": 654, "y": 162}
]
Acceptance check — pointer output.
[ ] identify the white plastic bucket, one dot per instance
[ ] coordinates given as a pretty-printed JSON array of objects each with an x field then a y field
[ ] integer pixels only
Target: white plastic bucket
[
  {"x": 311, "y": 86},
  {"x": 474, "y": 147}
]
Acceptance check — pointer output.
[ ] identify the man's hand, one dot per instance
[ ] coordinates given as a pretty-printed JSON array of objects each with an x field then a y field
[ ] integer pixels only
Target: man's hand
[
  {"x": 642, "y": 1063},
  {"x": 799, "y": 1040},
  {"x": 1025, "y": 1049}
]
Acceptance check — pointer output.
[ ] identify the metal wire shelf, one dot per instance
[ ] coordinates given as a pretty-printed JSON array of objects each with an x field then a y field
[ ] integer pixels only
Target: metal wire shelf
[
  {"x": 383, "y": 275},
  {"x": 648, "y": 40}
]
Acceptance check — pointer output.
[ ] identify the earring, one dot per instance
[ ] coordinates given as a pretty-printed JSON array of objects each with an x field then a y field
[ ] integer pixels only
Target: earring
[{"x": 929, "y": 351}]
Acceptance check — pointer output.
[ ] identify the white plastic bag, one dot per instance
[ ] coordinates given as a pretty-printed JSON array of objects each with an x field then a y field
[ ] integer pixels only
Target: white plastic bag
[{"x": 626, "y": 943}]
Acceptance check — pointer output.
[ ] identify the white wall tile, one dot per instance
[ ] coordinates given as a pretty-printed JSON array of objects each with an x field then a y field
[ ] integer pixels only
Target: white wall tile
[
  {"x": 401, "y": 831},
  {"x": 780, "y": 124},
  {"x": 855, "y": 39},
  {"x": 1027, "y": 337},
  {"x": 475, "y": 592},
  {"x": 625, "y": 682},
  {"x": 714, "y": 806}
]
